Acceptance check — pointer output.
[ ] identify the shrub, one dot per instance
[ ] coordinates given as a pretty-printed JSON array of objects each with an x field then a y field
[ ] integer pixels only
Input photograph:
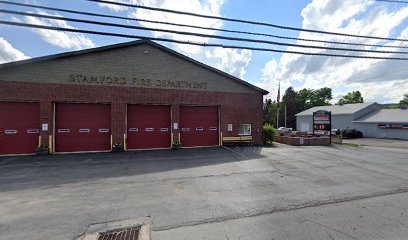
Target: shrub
[
  {"x": 42, "y": 150},
  {"x": 268, "y": 133},
  {"x": 176, "y": 145},
  {"x": 117, "y": 147}
]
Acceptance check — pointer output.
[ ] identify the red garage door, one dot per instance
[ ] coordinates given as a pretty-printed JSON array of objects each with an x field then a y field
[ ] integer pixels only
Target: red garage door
[
  {"x": 19, "y": 127},
  {"x": 199, "y": 126},
  {"x": 148, "y": 126},
  {"x": 82, "y": 127}
]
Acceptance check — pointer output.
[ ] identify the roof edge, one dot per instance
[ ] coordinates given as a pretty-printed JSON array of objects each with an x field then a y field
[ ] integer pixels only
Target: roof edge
[
  {"x": 360, "y": 121},
  {"x": 368, "y": 105},
  {"x": 127, "y": 44}
]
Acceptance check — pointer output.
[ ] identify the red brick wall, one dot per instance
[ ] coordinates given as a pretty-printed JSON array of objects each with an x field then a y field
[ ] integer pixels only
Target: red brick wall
[
  {"x": 295, "y": 141},
  {"x": 235, "y": 108}
]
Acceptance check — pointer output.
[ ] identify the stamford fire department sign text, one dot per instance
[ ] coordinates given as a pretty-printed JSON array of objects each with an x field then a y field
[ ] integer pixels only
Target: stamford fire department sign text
[{"x": 135, "y": 82}]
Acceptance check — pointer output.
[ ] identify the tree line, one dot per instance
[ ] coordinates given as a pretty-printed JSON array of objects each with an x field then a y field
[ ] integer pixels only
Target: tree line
[{"x": 298, "y": 101}]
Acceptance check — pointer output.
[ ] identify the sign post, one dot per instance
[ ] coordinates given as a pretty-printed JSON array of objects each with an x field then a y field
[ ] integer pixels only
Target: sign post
[{"x": 322, "y": 122}]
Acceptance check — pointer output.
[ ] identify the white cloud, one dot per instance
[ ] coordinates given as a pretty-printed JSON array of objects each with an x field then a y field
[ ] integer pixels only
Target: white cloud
[
  {"x": 8, "y": 53},
  {"x": 228, "y": 60},
  {"x": 113, "y": 7},
  {"x": 74, "y": 41},
  {"x": 376, "y": 79},
  {"x": 269, "y": 69},
  {"x": 209, "y": 7},
  {"x": 231, "y": 61}
]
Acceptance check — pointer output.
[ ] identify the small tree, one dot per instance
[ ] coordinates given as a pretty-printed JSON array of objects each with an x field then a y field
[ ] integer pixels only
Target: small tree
[
  {"x": 268, "y": 133},
  {"x": 404, "y": 101},
  {"x": 351, "y": 97}
]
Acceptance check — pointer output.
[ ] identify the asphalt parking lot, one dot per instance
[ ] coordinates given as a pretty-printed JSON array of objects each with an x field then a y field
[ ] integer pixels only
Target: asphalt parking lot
[
  {"x": 208, "y": 193},
  {"x": 378, "y": 142}
]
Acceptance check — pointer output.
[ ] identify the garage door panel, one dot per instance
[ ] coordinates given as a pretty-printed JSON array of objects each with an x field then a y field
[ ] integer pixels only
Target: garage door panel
[
  {"x": 199, "y": 126},
  {"x": 148, "y": 126},
  {"x": 19, "y": 127},
  {"x": 82, "y": 127}
]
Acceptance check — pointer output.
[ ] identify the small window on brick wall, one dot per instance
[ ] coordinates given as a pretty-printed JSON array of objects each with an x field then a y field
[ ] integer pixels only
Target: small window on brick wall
[{"x": 244, "y": 129}]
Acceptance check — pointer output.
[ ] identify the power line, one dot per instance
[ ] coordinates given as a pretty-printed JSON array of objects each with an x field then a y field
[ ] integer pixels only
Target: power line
[
  {"x": 197, "y": 27},
  {"x": 196, "y": 34},
  {"x": 392, "y": 1},
  {"x": 192, "y": 43},
  {"x": 244, "y": 21}
]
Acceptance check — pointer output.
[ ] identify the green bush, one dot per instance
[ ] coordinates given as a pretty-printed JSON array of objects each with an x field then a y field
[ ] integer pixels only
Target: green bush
[
  {"x": 117, "y": 147},
  {"x": 268, "y": 133}
]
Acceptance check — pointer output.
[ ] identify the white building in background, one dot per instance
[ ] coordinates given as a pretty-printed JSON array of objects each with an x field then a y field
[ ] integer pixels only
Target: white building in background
[{"x": 368, "y": 118}]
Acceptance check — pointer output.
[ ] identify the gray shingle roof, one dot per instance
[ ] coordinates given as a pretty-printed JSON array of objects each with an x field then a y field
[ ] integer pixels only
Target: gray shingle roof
[
  {"x": 336, "y": 109},
  {"x": 385, "y": 116}
]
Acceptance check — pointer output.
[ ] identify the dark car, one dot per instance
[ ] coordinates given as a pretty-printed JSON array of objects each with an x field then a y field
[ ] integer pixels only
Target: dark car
[
  {"x": 352, "y": 133},
  {"x": 336, "y": 131}
]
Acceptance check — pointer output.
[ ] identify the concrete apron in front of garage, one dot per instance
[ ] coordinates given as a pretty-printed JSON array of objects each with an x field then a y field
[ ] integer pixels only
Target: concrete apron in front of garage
[{"x": 58, "y": 197}]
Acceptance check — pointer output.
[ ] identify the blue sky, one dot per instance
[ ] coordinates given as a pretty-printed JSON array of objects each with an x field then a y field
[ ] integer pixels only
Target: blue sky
[{"x": 381, "y": 81}]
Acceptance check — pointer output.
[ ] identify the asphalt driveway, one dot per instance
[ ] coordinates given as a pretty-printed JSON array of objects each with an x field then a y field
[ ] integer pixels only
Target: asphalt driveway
[
  {"x": 379, "y": 142},
  {"x": 58, "y": 197}
]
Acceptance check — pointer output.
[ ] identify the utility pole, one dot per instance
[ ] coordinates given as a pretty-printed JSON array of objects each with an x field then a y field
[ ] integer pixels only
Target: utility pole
[
  {"x": 277, "y": 110},
  {"x": 285, "y": 115}
]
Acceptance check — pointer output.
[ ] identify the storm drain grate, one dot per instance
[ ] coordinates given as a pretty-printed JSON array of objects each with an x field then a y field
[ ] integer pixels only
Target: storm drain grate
[{"x": 123, "y": 234}]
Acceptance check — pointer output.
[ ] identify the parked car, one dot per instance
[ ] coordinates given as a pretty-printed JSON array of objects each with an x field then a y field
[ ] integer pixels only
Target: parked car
[
  {"x": 284, "y": 129},
  {"x": 352, "y": 133},
  {"x": 336, "y": 131}
]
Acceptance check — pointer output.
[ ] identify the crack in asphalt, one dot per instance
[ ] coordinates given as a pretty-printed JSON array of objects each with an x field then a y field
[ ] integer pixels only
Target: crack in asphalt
[
  {"x": 218, "y": 175},
  {"x": 331, "y": 237},
  {"x": 388, "y": 218},
  {"x": 265, "y": 211},
  {"x": 330, "y": 228}
]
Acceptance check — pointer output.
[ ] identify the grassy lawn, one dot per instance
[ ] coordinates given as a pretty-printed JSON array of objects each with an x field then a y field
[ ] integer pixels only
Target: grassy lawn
[{"x": 349, "y": 145}]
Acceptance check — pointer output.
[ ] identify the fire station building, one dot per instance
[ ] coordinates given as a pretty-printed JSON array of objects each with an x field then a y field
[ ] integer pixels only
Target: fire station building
[{"x": 139, "y": 94}]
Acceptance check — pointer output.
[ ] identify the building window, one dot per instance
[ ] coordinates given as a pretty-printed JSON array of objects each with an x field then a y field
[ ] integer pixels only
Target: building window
[{"x": 244, "y": 129}]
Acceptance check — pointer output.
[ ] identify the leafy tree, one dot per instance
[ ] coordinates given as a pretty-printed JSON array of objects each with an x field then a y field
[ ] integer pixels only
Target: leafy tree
[
  {"x": 290, "y": 100},
  {"x": 321, "y": 97},
  {"x": 295, "y": 102},
  {"x": 308, "y": 98},
  {"x": 351, "y": 97},
  {"x": 269, "y": 110},
  {"x": 404, "y": 100}
]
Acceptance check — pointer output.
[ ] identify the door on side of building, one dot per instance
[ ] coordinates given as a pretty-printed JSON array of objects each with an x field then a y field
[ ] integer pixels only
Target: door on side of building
[
  {"x": 148, "y": 126},
  {"x": 19, "y": 127},
  {"x": 199, "y": 126},
  {"x": 82, "y": 127}
]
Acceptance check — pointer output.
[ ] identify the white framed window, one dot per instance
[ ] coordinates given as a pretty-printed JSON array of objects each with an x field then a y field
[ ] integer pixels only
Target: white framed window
[{"x": 244, "y": 129}]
